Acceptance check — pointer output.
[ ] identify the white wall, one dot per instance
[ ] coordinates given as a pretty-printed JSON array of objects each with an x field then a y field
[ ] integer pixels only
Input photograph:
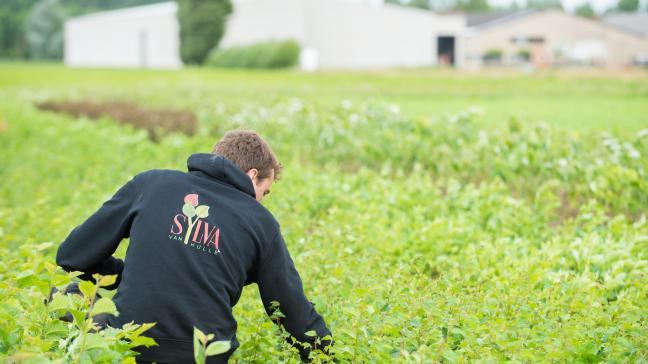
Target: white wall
[
  {"x": 261, "y": 20},
  {"x": 353, "y": 35},
  {"x": 347, "y": 34},
  {"x": 145, "y": 36}
]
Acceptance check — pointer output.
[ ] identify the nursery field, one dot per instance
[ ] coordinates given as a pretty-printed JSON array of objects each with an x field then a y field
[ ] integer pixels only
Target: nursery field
[
  {"x": 433, "y": 216},
  {"x": 585, "y": 100}
]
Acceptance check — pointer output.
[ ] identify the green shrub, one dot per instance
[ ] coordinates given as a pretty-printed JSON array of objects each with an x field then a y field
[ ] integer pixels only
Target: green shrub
[
  {"x": 523, "y": 55},
  {"x": 271, "y": 54},
  {"x": 493, "y": 55}
]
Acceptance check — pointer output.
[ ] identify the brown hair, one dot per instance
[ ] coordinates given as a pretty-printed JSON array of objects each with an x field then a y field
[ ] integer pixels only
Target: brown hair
[{"x": 247, "y": 150}]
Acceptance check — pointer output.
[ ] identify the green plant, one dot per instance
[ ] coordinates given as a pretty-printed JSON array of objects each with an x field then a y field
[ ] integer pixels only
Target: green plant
[
  {"x": 203, "y": 348},
  {"x": 82, "y": 340},
  {"x": 493, "y": 55},
  {"x": 270, "y": 55},
  {"x": 451, "y": 238},
  {"x": 523, "y": 55}
]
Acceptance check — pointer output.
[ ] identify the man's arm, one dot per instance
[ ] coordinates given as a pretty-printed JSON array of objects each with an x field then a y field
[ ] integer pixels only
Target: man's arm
[
  {"x": 89, "y": 247},
  {"x": 279, "y": 281}
]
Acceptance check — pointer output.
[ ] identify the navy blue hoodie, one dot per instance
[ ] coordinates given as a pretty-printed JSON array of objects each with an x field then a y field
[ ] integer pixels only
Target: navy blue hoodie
[{"x": 196, "y": 238}]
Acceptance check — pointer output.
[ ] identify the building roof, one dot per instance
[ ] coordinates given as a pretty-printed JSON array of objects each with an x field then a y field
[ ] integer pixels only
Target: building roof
[
  {"x": 490, "y": 19},
  {"x": 140, "y": 11},
  {"x": 636, "y": 23}
]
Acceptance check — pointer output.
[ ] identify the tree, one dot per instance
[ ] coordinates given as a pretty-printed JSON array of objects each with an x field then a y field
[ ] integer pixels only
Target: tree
[
  {"x": 77, "y": 7},
  {"x": 421, "y": 4},
  {"x": 629, "y": 6},
  {"x": 202, "y": 25},
  {"x": 585, "y": 10},
  {"x": 14, "y": 16},
  {"x": 12, "y": 36},
  {"x": 44, "y": 30},
  {"x": 544, "y": 4},
  {"x": 472, "y": 5}
]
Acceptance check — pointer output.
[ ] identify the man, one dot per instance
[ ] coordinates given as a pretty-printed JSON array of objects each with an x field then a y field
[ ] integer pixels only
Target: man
[{"x": 196, "y": 238}]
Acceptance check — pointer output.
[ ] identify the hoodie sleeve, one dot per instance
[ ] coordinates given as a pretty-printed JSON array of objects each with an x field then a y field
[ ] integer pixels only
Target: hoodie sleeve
[
  {"x": 279, "y": 281},
  {"x": 89, "y": 247}
]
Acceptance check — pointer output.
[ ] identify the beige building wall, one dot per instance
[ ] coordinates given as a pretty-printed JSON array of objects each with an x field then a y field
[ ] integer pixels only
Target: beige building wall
[{"x": 567, "y": 39}]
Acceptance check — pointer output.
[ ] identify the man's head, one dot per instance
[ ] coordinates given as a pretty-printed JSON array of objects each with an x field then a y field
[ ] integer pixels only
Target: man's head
[{"x": 248, "y": 151}]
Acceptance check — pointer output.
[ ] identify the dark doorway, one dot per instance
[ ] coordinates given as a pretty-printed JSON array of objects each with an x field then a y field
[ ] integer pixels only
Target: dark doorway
[{"x": 446, "y": 50}]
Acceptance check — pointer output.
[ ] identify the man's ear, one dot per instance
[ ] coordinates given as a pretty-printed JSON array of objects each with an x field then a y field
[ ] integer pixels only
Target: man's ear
[{"x": 252, "y": 173}]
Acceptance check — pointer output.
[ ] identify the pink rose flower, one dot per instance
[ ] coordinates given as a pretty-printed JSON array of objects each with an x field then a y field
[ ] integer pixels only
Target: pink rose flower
[{"x": 192, "y": 199}]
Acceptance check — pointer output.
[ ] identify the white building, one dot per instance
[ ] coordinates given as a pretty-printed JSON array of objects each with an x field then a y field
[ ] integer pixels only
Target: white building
[
  {"x": 144, "y": 36},
  {"x": 347, "y": 34}
]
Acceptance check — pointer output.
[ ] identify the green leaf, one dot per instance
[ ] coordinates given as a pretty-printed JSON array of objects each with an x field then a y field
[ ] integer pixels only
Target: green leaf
[
  {"x": 95, "y": 341},
  {"x": 107, "y": 280},
  {"x": 202, "y": 211},
  {"x": 199, "y": 353},
  {"x": 143, "y": 327},
  {"x": 217, "y": 347},
  {"x": 199, "y": 334},
  {"x": 450, "y": 356},
  {"x": 74, "y": 274},
  {"x": 61, "y": 302},
  {"x": 104, "y": 305},
  {"x": 143, "y": 340},
  {"x": 188, "y": 210},
  {"x": 310, "y": 333},
  {"x": 79, "y": 318},
  {"x": 87, "y": 288},
  {"x": 43, "y": 246}
]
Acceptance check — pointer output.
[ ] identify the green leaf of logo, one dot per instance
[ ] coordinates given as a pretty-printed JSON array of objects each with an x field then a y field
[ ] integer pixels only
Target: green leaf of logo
[
  {"x": 188, "y": 210},
  {"x": 202, "y": 211}
]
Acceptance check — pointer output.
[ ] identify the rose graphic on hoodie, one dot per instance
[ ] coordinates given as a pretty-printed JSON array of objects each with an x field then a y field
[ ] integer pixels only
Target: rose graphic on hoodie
[
  {"x": 191, "y": 209},
  {"x": 192, "y": 222}
]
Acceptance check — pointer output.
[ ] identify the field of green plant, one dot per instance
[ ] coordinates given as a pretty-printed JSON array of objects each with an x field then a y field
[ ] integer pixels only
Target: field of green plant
[{"x": 433, "y": 216}]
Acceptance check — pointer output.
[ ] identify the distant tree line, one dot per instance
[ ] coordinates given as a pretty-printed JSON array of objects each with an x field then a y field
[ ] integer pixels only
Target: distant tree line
[{"x": 34, "y": 28}]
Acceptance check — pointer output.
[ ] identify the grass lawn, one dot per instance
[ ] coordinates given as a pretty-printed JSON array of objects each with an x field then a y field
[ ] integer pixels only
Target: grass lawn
[{"x": 583, "y": 100}]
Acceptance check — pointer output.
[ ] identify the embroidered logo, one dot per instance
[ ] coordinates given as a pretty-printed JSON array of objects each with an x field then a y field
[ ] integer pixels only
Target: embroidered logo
[{"x": 197, "y": 233}]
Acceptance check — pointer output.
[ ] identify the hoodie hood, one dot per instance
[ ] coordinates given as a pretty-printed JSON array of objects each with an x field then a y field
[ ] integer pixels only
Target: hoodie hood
[{"x": 222, "y": 169}]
